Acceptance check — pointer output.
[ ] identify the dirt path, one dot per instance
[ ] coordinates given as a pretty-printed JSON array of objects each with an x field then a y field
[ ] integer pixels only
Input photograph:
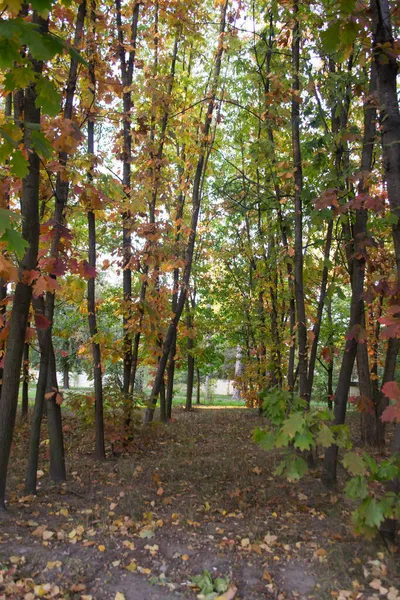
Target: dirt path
[{"x": 197, "y": 494}]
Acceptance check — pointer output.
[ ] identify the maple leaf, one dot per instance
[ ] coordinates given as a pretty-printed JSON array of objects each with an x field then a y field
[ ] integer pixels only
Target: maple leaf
[
  {"x": 41, "y": 321},
  {"x": 391, "y": 414},
  {"x": 391, "y": 390},
  {"x": 327, "y": 354},
  {"x": 86, "y": 270},
  {"x": 354, "y": 463},
  {"x": 293, "y": 424}
]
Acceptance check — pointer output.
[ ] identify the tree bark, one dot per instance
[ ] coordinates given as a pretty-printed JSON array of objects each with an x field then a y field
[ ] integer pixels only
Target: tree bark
[
  {"x": 127, "y": 67},
  {"x": 99, "y": 452},
  {"x": 198, "y": 385},
  {"x": 298, "y": 218},
  {"x": 25, "y": 382},
  {"x": 190, "y": 359}
]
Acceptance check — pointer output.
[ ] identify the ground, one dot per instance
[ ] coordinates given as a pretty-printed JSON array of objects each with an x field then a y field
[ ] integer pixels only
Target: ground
[{"x": 193, "y": 495}]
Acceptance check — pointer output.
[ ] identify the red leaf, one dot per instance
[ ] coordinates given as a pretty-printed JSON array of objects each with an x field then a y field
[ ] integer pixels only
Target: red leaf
[
  {"x": 391, "y": 413},
  {"x": 326, "y": 354},
  {"x": 391, "y": 390},
  {"x": 41, "y": 321},
  {"x": 86, "y": 270}
]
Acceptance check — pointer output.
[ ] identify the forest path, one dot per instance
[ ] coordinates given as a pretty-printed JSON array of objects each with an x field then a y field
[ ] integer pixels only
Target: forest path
[{"x": 192, "y": 495}]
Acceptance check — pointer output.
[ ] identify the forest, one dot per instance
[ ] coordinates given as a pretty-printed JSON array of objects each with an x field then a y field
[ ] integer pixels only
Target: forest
[{"x": 196, "y": 193}]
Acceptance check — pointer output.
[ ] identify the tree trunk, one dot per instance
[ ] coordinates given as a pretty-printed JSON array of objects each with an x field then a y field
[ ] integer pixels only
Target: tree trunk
[
  {"x": 190, "y": 359},
  {"x": 52, "y": 409},
  {"x": 198, "y": 385},
  {"x": 66, "y": 384},
  {"x": 387, "y": 68},
  {"x": 298, "y": 218},
  {"x": 196, "y": 199},
  {"x": 54, "y": 422},
  {"x": 126, "y": 67},
  {"x": 99, "y": 452},
  {"x": 25, "y": 382},
  {"x": 238, "y": 372},
  {"x": 321, "y": 302},
  {"x": 44, "y": 336},
  {"x": 23, "y": 293},
  {"x": 170, "y": 378},
  {"x": 357, "y": 268}
]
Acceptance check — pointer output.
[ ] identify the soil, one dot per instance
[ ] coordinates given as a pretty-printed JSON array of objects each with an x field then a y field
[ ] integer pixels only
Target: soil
[{"x": 195, "y": 494}]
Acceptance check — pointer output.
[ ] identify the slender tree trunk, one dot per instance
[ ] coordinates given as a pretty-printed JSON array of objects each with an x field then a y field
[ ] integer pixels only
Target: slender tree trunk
[
  {"x": 127, "y": 67},
  {"x": 357, "y": 268},
  {"x": 387, "y": 69},
  {"x": 44, "y": 336},
  {"x": 156, "y": 181},
  {"x": 196, "y": 199},
  {"x": 190, "y": 359},
  {"x": 198, "y": 385},
  {"x": 23, "y": 292},
  {"x": 3, "y": 284},
  {"x": 53, "y": 410},
  {"x": 99, "y": 452},
  {"x": 298, "y": 218},
  {"x": 25, "y": 382},
  {"x": 54, "y": 422},
  {"x": 320, "y": 309},
  {"x": 330, "y": 345},
  {"x": 66, "y": 385}
]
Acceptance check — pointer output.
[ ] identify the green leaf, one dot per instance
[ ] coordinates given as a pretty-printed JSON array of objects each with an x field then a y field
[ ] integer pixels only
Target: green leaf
[
  {"x": 266, "y": 439},
  {"x": 347, "y": 6},
  {"x": 357, "y": 488},
  {"x": 221, "y": 584},
  {"x": 42, "y": 46},
  {"x": 342, "y": 436},
  {"x": 388, "y": 471},
  {"x": 9, "y": 53},
  {"x": 41, "y": 5},
  {"x": 296, "y": 468},
  {"x": 19, "y": 164},
  {"x": 371, "y": 463},
  {"x": 18, "y": 78},
  {"x": 348, "y": 33},
  {"x": 282, "y": 439},
  {"x": 330, "y": 38},
  {"x": 325, "y": 437},
  {"x": 354, "y": 463},
  {"x": 48, "y": 97},
  {"x": 5, "y": 220},
  {"x": 41, "y": 145},
  {"x": 304, "y": 440},
  {"x": 15, "y": 242},
  {"x": 295, "y": 423},
  {"x": 372, "y": 512}
]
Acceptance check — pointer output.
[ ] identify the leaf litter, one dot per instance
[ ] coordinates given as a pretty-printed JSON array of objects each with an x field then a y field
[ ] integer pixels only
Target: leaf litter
[{"x": 188, "y": 502}]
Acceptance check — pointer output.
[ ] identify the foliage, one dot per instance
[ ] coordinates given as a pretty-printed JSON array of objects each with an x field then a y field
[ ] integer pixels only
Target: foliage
[
  {"x": 210, "y": 589},
  {"x": 297, "y": 430}
]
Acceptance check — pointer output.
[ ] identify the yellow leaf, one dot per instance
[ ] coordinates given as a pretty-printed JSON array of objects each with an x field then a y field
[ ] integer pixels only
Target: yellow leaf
[
  {"x": 185, "y": 557},
  {"x": 53, "y": 564},
  {"x": 131, "y": 567},
  {"x": 101, "y": 548},
  {"x": 119, "y": 596},
  {"x": 245, "y": 542}
]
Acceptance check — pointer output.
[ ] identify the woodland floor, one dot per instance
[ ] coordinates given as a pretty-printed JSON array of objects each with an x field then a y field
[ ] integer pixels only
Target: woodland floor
[{"x": 195, "y": 494}]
